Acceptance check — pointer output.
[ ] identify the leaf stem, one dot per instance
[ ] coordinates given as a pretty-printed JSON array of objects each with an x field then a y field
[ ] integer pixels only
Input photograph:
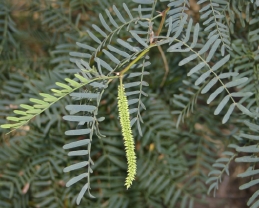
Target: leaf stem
[
  {"x": 163, "y": 13},
  {"x": 59, "y": 98},
  {"x": 135, "y": 60}
]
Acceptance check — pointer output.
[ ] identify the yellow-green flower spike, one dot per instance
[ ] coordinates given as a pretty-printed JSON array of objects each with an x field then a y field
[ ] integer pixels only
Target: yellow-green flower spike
[{"x": 127, "y": 135}]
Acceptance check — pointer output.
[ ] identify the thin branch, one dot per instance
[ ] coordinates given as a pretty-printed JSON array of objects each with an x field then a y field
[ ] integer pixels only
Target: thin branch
[{"x": 165, "y": 65}]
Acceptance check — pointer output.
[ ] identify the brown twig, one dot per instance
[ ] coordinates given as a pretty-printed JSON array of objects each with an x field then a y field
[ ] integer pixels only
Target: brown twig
[
  {"x": 162, "y": 21},
  {"x": 165, "y": 65},
  {"x": 160, "y": 48}
]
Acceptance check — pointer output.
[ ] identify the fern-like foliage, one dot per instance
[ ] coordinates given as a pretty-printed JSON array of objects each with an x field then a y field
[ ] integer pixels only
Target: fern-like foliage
[
  {"x": 182, "y": 101},
  {"x": 170, "y": 148},
  {"x": 251, "y": 159},
  {"x": 96, "y": 81},
  {"x": 31, "y": 178},
  {"x": 213, "y": 14},
  {"x": 8, "y": 26},
  {"x": 215, "y": 176},
  {"x": 212, "y": 43}
]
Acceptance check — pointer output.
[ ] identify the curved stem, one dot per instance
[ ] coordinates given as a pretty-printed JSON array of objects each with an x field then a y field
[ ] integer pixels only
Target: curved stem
[
  {"x": 162, "y": 21},
  {"x": 135, "y": 60}
]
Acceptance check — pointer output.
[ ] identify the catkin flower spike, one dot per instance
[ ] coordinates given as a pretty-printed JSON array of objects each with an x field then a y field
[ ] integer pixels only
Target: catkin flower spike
[{"x": 127, "y": 134}]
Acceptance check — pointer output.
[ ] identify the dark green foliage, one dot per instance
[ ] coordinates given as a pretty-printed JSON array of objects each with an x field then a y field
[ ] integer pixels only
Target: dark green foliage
[{"x": 191, "y": 77}]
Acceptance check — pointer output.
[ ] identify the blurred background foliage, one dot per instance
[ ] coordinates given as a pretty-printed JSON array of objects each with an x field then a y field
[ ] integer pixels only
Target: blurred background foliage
[{"x": 36, "y": 37}]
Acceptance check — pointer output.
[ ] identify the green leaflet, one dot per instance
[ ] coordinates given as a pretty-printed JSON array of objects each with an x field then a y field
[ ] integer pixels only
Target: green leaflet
[
  {"x": 30, "y": 111},
  {"x": 127, "y": 135}
]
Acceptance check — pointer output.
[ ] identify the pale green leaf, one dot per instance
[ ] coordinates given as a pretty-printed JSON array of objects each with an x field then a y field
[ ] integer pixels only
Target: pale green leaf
[
  {"x": 236, "y": 82},
  {"x": 139, "y": 39},
  {"x": 215, "y": 94},
  {"x": 78, "y": 153},
  {"x": 48, "y": 98},
  {"x": 82, "y": 95},
  {"x": 34, "y": 111},
  {"x": 127, "y": 45},
  {"x": 105, "y": 25},
  {"x": 68, "y": 88},
  {"x": 73, "y": 82},
  {"x": 214, "y": 172},
  {"x": 86, "y": 46},
  {"x": 81, "y": 78},
  {"x": 26, "y": 107},
  {"x": 247, "y": 159},
  {"x": 41, "y": 102},
  {"x": 77, "y": 144},
  {"x": 111, "y": 18},
  {"x": 213, "y": 50},
  {"x": 241, "y": 94},
  {"x": 119, "y": 52},
  {"x": 222, "y": 105},
  {"x": 93, "y": 37},
  {"x": 188, "y": 31},
  {"x": 209, "y": 85},
  {"x": 20, "y": 112},
  {"x": 143, "y": 1},
  {"x": 188, "y": 59},
  {"x": 196, "y": 68},
  {"x": 10, "y": 118},
  {"x": 202, "y": 77},
  {"x": 227, "y": 115},
  {"x": 75, "y": 166},
  {"x": 244, "y": 109},
  {"x": 77, "y": 132},
  {"x": 99, "y": 30},
  {"x": 253, "y": 197},
  {"x": 195, "y": 35},
  {"x": 81, "y": 194},
  {"x": 248, "y": 149},
  {"x": 78, "y": 108},
  {"x": 111, "y": 57},
  {"x": 7, "y": 126},
  {"x": 249, "y": 184},
  {"x": 206, "y": 47},
  {"x": 76, "y": 179},
  {"x": 127, "y": 10},
  {"x": 220, "y": 63},
  {"x": 80, "y": 55},
  {"x": 248, "y": 136},
  {"x": 120, "y": 17},
  {"x": 104, "y": 64}
]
